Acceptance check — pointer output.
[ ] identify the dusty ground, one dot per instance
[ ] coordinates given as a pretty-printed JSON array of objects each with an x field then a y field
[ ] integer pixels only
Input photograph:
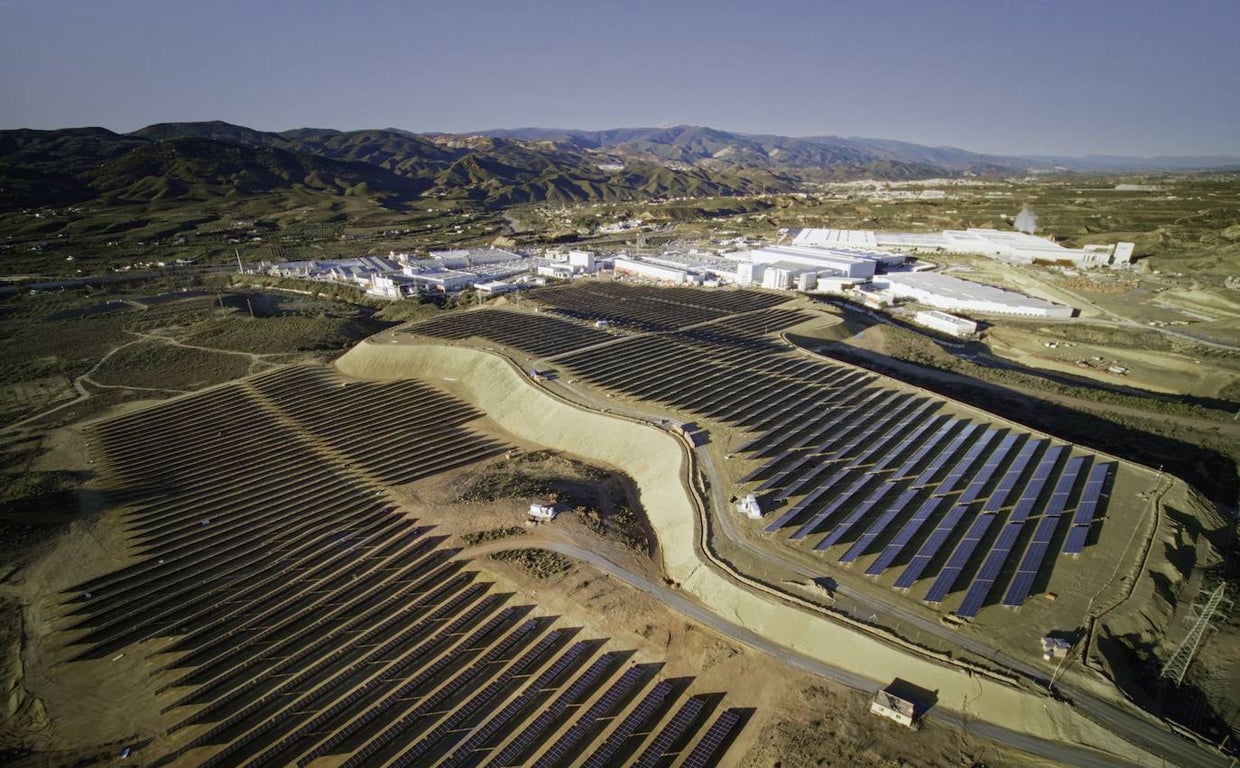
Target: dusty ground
[{"x": 1153, "y": 370}]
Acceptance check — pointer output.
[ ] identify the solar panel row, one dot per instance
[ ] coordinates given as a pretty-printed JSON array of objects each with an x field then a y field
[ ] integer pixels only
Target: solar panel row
[
  {"x": 960, "y": 555},
  {"x": 982, "y": 477},
  {"x": 999, "y": 496},
  {"x": 847, "y": 523},
  {"x": 906, "y": 534},
  {"x": 913, "y": 570},
  {"x": 877, "y": 528},
  {"x": 984, "y": 581}
]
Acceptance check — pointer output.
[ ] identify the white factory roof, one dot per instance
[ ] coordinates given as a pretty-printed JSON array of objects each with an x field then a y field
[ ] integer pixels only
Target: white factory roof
[
  {"x": 846, "y": 238},
  {"x": 911, "y": 240},
  {"x": 801, "y": 253},
  {"x": 1010, "y": 243},
  {"x": 961, "y": 290}
]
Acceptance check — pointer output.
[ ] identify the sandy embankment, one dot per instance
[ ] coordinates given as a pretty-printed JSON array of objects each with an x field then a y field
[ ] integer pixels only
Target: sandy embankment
[{"x": 657, "y": 463}]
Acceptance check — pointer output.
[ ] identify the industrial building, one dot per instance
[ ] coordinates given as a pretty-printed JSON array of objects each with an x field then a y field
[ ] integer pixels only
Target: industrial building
[
  {"x": 1006, "y": 245},
  {"x": 496, "y": 288},
  {"x": 951, "y": 293},
  {"x": 659, "y": 273},
  {"x": 470, "y": 258},
  {"x": 945, "y": 323},
  {"x": 792, "y": 266}
]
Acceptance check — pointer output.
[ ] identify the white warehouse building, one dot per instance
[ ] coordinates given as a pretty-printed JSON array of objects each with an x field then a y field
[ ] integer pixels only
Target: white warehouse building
[
  {"x": 623, "y": 265},
  {"x": 791, "y": 257},
  {"x": 952, "y": 293},
  {"x": 945, "y": 323},
  {"x": 1005, "y": 245}
]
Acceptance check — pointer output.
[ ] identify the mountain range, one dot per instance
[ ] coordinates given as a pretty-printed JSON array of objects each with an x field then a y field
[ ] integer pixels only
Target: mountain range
[{"x": 204, "y": 160}]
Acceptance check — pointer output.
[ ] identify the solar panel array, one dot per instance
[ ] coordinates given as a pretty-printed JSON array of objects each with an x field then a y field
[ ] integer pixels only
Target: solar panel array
[
  {"x": 304, "y": 617},
  {"x": 883, "y": 477},
  {"x": 1091, "y": 496}
]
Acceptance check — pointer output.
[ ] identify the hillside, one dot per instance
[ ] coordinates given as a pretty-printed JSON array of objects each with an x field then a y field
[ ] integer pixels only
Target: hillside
[{"x": 201, "y": 161}]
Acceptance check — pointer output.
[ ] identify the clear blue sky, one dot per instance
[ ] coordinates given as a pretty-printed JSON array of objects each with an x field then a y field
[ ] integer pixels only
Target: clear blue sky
[{"x": 1123, "y": 77}]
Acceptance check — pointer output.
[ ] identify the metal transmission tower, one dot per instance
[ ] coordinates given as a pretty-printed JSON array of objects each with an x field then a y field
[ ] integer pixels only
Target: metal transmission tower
[{"x": 1177, "y": 666}]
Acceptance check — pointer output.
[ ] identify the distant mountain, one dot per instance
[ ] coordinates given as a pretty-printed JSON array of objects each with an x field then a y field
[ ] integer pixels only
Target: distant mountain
[
  {"x": 203, "y": 160},
  {"x": 710, "y": 148},
  {"x": 194, "y": 168},
  {"x": 183, "y": 161},
  {"x": 835, "y": 155}
]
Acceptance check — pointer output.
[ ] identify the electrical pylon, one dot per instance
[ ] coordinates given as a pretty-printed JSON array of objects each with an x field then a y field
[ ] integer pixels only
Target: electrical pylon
[{"x": 1177, "y": 666}]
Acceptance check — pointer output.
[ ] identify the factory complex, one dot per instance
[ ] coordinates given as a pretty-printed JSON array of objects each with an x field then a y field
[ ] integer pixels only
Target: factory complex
[{"x": 857, "y": 263}]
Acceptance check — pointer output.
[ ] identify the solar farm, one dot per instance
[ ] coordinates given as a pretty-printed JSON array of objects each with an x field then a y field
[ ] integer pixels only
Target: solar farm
[
  {"x": 960, "y": 510},
  {"x": 299, "y": 616}
]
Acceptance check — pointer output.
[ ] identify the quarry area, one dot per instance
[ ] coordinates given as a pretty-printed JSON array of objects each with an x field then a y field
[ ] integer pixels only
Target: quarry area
[{"x": 749, "y": 486}]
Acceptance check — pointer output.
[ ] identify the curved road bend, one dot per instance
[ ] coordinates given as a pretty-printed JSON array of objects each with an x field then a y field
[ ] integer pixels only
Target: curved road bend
[
  {"x": 1139, "y": 730},
  {"x": 683, "y": 604}
]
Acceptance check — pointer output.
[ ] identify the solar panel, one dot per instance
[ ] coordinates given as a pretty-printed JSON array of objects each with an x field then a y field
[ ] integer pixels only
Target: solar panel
[
  {"x": 966, "y": 463},
  {"x": 708, "y": 749},
  {"x": 671, "y": 732},
  {"x": 847, "y": 523},
  {"x": 913, "y": 570},
  {"x": 1063, "y": 488},
  {"x": 831, "y": 508},
  {"x": 573, "y": 695},
  {"x": 991, "y": 464},
  {"x": 905, "y": 535},
  {"x": 615, "y": 697},
  {"x": 813, "y": 432},
  {"x": 999, "y": 496},
  {"x": 903, "y": 445},
  {"x": 1033, "y": 489},
  {"x": 1035, "y": 552},
  {"x": 926, "y": 447},
  {"x": 1074, "y": 544},
  {"x": 892, "y": 408},
  {"x": 812, "y": 476},
  {"x": 642, "y": 712},
  {"x": 998, "y": 555},
  {"x": 889, "y": 435},
  {"x": 878, "y": 526},
  {"x": 949, "y": 453},
  {"x": 955, "y": 564},
  {"x": 1091, "y": 494},
  {"x": 767, "y": 467}
]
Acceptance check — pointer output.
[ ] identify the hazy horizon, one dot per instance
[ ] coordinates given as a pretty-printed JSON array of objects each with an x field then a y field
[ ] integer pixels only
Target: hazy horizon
[{"x": 1134, "y": 78}]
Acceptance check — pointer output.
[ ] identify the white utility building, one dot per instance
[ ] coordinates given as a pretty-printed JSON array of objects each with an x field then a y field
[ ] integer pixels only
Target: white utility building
[
  {"x": 945, "y": 323},
  {"x": 582, "y": 260},
  {"x": 952, "y": 293}
]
